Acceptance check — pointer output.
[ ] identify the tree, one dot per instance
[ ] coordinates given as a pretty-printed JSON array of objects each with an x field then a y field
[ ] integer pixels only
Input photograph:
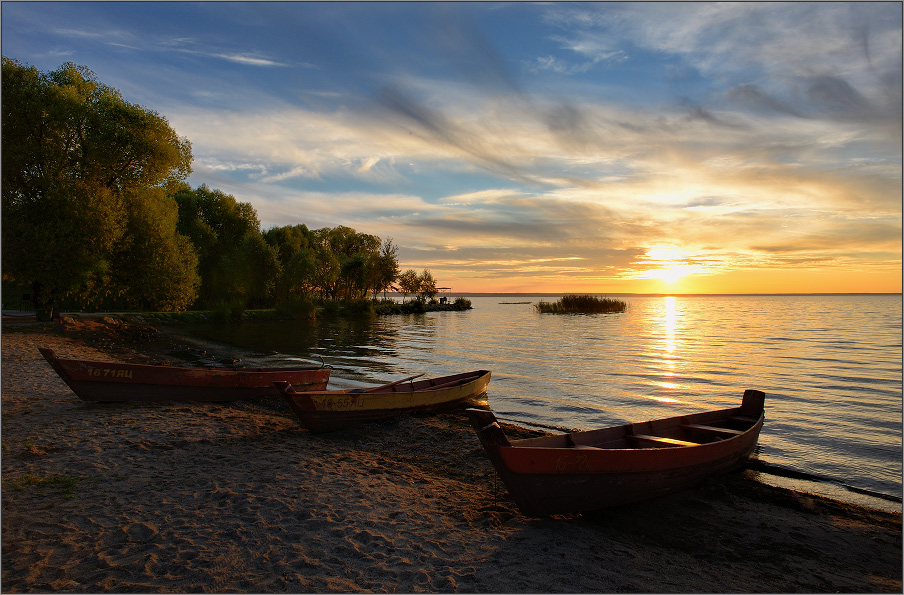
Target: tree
[
  {"x": 345, "y": 261},
  {"x": 296, "y": 259},
  {"x": 386, "y": 268},
  {"x": 261, "y": 268},
  {"x": 427, "y": 286},
  {"x": 156, "y": 269},
  {"x": 76, "y": 158},
  {"x": 235, "y": 263},
  {"x": 409, "y": 283}
]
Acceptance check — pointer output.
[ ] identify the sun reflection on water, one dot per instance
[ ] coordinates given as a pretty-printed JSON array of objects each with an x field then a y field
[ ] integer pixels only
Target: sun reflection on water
[
  {"x": 669, "y": 346},
  {"x": 666, "y": 399},
  {"x": 670, "y": 324}
]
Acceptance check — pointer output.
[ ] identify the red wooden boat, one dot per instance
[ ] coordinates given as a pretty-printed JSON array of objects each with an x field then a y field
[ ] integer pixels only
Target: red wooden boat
[
  {"x": 324, "y": 411},
  {"x": 583, "y": 471},
  {"x": 114, "y": 381}
]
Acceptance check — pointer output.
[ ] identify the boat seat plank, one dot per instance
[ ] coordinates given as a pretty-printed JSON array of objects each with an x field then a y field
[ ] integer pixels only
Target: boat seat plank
[
  {"x": 713, "y": 429},
  {"x": 661, "y": 440}
]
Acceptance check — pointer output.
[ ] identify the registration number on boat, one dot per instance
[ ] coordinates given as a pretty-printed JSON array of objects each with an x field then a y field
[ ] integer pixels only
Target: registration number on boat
[
  {"x": 337, "y": 403},
  {"x": 109, "y": 373},
  {"x": 575, "y": 463}
]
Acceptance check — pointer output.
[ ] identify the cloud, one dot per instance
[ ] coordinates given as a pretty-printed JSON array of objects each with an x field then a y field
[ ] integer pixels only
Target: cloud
[
  {"x": 750, "y": 135},
  {"x": 844, "y": 55},
  {"x": 100, "y": 35},
  {"x": 838, "y": 97},
  {"x": 248, "y": 60},
  {"x": 748, "y": 95},
  {"x": 737, "y": 186}
]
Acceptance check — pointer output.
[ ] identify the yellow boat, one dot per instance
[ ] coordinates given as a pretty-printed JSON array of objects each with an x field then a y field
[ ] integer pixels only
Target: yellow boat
[{"x": 324, "y": 411}]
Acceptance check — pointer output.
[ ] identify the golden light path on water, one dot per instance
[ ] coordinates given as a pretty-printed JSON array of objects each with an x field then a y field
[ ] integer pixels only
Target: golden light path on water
[{"x": 668, "y": 364}]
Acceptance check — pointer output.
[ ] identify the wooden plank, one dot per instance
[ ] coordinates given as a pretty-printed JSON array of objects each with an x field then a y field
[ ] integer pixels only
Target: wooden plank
[
  {"x": 713, "y": 429},
  {"x": 661, "y": 440}
]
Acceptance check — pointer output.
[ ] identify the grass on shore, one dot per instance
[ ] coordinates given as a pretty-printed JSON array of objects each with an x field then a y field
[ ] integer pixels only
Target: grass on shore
[
  {"x": 581, "y": 304},
  {"x": 64, "y": 485}
]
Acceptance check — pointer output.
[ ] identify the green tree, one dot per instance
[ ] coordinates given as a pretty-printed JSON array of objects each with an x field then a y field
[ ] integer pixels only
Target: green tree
[
  {"x": 409, "y": 283},
  {"x": 235, "y": 263},
  {"x": 385, "y": 269},
  {"x": 156, "y": 269},
  {"x": 76, "y": 158},
  {"x": 345, "y": 259},
  {"x": 337, "y": 262},
  {"x": 296, "y": 259},
  {"x": 426, "y": 286},
  {"x": 259, "y": 270}
]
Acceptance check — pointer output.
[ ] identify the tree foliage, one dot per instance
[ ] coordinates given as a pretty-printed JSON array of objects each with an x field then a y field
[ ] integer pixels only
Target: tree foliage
[
  {"x": 155, "y": 270},
  {"x": 409, "y": 283},
  {"x": 80, "y": 168},
  {"x": 335, "y": 263},
  {"x": 96, "y": 213},
  {"x": 386, "y": 268},
  {"x": 234, "y": 261},
  {"x": 297, "y": 262},
  {"x": 426, "y": 285}
]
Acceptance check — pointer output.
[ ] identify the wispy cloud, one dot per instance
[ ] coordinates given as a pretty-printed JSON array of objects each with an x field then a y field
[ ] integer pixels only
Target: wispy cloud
[{"x": 248, "y": 60}]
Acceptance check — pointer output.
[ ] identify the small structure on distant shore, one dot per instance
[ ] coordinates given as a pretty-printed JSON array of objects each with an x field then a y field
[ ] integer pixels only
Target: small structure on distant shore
[{"x": 445, "y": 294}]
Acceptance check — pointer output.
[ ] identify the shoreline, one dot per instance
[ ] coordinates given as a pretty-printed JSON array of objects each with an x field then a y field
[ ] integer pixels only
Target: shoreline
[{"x": 199, "y": 497}]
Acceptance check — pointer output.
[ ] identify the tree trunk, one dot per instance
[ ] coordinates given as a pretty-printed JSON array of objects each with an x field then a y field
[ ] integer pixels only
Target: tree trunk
[{"x": 45, "y": 304}]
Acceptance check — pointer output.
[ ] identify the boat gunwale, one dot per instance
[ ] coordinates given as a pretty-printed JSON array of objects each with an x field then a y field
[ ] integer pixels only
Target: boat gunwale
[{"x": 71, "y": 362}]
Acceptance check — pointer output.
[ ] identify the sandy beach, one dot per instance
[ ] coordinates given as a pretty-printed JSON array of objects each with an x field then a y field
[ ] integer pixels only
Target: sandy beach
[{"x": 239, "y": 498}]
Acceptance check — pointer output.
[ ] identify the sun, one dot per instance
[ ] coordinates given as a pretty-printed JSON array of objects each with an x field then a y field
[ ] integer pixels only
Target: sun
[
  {"x": 672, "y": 273},
  {"x": 671, "y": 263}
]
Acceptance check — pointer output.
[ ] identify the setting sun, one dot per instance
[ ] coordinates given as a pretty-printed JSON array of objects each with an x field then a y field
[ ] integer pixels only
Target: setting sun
[
  {"x": 669, "y": 264},
  {"x": 672, "y": 273}
]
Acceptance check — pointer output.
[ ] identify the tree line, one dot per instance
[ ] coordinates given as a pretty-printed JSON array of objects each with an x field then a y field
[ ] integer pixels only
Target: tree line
[{"x": 97, "y": 214}]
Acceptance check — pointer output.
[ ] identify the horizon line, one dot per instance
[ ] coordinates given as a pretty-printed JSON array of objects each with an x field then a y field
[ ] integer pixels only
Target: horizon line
[{"x": 637, "y": 294}]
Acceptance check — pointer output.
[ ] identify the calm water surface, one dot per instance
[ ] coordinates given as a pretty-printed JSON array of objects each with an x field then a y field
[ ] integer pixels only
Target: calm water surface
[{"x": 831, "y": 367}]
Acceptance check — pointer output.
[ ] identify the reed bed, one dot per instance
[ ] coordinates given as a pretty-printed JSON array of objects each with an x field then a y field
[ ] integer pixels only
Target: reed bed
[{"x": 581, "y": 304}]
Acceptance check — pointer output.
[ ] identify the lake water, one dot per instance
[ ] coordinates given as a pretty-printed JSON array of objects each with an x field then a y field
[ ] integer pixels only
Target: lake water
[{"x": 831, "y": 368}]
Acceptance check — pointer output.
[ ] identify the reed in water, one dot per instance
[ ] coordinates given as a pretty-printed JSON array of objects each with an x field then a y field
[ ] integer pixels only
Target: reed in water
[{"x": 581, "y": 304}]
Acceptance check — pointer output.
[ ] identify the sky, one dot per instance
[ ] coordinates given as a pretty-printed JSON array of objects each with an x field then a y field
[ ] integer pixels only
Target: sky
[{"x": 533, "y": 147}]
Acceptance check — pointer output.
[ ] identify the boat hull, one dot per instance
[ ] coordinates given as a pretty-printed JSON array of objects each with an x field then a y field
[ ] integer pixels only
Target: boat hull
[
  {"x": 550, "y": 476},
  {"x": 542, "y": 494},
  {"x": 325, "y": 411},
  {"x": 122, "y": 382}
]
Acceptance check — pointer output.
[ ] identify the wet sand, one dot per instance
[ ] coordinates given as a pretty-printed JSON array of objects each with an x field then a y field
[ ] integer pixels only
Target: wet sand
[{"x": 239, "y": 498}]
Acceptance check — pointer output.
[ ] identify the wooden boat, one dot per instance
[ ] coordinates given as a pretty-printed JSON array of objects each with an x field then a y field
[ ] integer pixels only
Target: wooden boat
[
  {"x": 583, "y": 471},
  {"x": 324, "y": 411},
  {"x": 113, "y": 381}
]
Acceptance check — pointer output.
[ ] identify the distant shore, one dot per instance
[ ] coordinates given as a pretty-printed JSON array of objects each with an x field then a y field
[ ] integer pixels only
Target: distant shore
[
  {"x": 207, "y": 497},
  {"x": 617, "y": 294}
]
